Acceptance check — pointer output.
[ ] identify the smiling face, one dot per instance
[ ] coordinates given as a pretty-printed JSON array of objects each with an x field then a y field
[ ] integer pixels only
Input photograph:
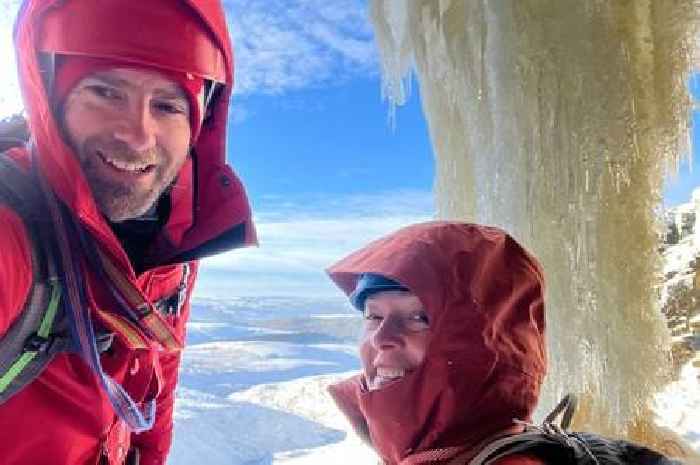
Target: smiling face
[
  {"x": 395, "y": 337},
  {"x": 130, "y": 130}
]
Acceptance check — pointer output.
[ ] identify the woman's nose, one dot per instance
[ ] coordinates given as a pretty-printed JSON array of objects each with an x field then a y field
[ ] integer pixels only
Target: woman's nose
[{"x": 388, "y": 334}]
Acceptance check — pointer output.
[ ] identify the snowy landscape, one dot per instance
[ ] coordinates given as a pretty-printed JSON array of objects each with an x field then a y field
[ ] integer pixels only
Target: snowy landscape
[
  {"x": 260, "y": 351},
  {"x": 253, "y": 383}
]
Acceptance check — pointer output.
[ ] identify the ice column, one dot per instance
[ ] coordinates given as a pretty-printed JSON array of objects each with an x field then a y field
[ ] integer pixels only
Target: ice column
[{"x": 557, "y": 119}]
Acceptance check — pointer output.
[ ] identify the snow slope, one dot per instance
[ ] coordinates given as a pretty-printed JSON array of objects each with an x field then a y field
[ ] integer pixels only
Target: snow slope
[
  {"x": 253, "y": 383},
  {"x": 306, "y": 397},
  {"x": 678, "y": 407}
]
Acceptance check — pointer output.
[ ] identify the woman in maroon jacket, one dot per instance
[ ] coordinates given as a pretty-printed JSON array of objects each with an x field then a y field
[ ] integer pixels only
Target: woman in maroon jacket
[{"x": 453, "y": 348}]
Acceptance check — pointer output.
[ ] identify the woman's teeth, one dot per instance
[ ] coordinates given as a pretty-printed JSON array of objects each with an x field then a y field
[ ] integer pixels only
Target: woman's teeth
[
  {"x": 390, "y": 372},
  {"x": 385, "y": 376}
]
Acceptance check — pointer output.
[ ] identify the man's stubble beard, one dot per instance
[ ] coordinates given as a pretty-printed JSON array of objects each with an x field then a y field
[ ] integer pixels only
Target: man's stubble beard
[{"x": 117, "y": 201}]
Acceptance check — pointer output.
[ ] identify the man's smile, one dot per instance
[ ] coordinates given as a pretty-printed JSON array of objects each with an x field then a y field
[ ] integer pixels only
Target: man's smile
[{"x": 136, "y": 167}]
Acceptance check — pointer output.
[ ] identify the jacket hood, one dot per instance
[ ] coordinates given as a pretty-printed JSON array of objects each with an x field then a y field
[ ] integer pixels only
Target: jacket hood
[
  {"x": 209, "y": 208},
  {"x": 486, "y": 356}
]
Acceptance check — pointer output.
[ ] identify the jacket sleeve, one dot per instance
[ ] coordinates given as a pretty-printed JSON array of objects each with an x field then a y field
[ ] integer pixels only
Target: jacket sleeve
[
  {"x": 15, "y": 267},
  {"x": 154, "y": 445}
]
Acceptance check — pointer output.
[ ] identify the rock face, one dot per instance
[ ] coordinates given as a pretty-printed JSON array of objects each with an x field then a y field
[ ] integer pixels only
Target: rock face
[{"x": 680, "y": 293}]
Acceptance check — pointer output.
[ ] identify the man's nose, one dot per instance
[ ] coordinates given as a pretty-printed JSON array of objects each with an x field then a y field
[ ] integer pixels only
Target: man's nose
[
  {"x": 138, "y": 127},
  {"x": 388, "y": 334}
]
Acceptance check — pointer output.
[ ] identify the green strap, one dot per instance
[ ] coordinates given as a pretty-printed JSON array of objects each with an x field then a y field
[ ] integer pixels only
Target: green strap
[
  {"x": 50, "y": 315},
  {"x": 44, "y": 330}
]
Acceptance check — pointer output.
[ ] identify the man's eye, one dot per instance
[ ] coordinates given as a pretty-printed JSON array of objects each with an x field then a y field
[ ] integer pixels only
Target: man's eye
[
  {"x": 171, "y": 108},
  {"x": 104, "y": 92}
]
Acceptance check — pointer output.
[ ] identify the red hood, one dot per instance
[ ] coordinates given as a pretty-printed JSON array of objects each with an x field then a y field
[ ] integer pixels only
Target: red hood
[
  {"x": 210, "y": 210},
  {"x": 486, "y": 357}
]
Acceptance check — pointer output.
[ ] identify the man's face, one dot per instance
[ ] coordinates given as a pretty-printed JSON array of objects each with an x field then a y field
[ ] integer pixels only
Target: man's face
[
  {"x": 130, "y": 130},
  {"x": 395, "y": 337}
]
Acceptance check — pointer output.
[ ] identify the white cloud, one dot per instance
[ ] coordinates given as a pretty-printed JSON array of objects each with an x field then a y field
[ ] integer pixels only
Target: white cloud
[
  {"x": 283, "y": 45},
  {"x": 279, "y": 45},
  {"x": 10, "y": 99},
  {"x": 300, "y": 238}
]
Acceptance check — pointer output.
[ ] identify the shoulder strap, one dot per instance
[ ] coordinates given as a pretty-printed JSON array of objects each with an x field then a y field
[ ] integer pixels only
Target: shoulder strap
[
  {"x": 171, "y": 305},
  {"x": 39, "y": 332},
  {"x": 13, "y": 132},
  {"x": 550, "y": 446},
  {"x": 552, "y": 443}
]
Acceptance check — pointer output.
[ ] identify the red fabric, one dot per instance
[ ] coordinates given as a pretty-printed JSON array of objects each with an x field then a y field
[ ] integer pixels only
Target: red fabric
[
  {"x": 486, "y": 356},
  {"x": 221, "y": 199},
  {"x": 15, "y": 275},
  {"x": 143, "y": 33},
  {"x": 63, "y": 417},
  {"x": 71, "y": 69}
]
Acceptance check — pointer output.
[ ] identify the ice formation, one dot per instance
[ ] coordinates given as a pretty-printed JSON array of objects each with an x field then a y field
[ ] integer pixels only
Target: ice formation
[{"x": 558, "y": 119}]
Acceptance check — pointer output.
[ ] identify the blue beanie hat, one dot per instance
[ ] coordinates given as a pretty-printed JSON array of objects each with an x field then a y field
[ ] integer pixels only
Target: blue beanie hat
[{"x": 371, "y": 283}]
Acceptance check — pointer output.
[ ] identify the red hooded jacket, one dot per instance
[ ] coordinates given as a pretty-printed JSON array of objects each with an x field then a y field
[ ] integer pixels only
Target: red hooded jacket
[
  {"x": 486, "y": 356},
  {"x": 63, "y": 417}
]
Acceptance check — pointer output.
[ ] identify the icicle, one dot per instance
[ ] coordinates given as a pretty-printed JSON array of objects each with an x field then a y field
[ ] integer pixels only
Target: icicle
[{"x": 556, "y": 119}]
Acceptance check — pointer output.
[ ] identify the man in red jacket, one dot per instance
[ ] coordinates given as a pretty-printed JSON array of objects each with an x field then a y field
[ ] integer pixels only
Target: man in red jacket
[
  {"x": 453, "y": 350},
  {"x": 127, "y": 104}
]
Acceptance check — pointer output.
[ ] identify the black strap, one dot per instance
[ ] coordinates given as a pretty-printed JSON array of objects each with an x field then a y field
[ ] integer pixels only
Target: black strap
[
  {"x": 552, "y": 447},
  {"x": 552, "y": 443},
  {"x": 13, "y": 132},
  {"x": 20, "y": 193},
  {"x": 172, "y": 304},
  {"x": 567, "y": 407}
]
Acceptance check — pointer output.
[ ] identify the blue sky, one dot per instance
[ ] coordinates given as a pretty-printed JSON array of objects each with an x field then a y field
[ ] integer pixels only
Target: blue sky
[
  {"x": 311, "y": 139},
  {"x": 679, "y": 189}
]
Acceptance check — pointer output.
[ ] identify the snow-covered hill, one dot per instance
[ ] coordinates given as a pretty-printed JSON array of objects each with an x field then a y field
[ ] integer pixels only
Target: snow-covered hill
[{"x": 253, "y": 384}]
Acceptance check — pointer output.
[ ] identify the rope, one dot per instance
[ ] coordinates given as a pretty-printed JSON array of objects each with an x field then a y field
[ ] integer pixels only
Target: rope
[
  {"x": 82, "y": 329},
  {"x": 568, "y": 406}
]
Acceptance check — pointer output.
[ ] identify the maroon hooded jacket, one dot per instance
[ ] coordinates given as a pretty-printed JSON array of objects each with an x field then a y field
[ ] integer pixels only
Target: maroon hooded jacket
[
  {"x": 63, "y": 417},
  {"x": 486, "y": 355}
]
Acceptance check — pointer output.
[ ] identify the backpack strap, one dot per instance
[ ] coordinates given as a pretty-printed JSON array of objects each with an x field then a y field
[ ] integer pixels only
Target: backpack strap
[
  {"x": 39, "y": 331},
  {"x": 553, "y": 444},
  {"x": 550, "y": 441},
  {"x": 566, "y": 408},
  {"x": 172, "y": 305},
  {"x": 13, "y": 132}
]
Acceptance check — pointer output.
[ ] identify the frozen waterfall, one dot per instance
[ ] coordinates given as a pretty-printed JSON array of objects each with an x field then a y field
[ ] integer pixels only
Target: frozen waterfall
[{"x": 558, "y": 120}]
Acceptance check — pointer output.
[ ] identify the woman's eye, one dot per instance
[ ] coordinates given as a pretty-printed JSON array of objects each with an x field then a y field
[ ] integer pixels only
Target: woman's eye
[
  {"x": 371, "y": 320},
  {"x": 418, "y": 322}
]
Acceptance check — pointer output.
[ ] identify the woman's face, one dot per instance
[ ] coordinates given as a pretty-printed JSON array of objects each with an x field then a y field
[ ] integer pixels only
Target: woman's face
[{"x": 395, "y": 337}]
